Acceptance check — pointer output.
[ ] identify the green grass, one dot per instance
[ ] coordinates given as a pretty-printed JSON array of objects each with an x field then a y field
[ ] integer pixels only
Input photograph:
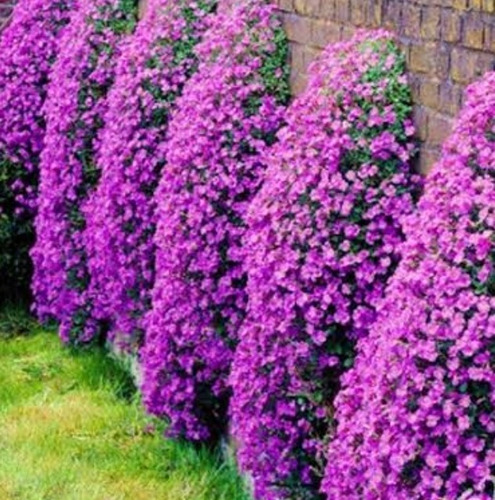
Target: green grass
[{"x": 72, "y": 428}]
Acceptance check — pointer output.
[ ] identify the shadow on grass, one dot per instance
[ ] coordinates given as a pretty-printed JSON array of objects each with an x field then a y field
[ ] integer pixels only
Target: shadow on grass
[{"x": 15, "y": 320}]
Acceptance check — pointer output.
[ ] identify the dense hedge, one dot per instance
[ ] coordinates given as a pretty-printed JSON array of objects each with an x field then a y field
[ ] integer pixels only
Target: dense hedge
[
  {"x": 322, "y": 244},
  {"x": 416, "y": 417},
  {"x": 226, "y": 118},
  {"x": 75, "y": 108},
  {"x": 151, "y": 73},
  {"x": 28, "y": 48}
]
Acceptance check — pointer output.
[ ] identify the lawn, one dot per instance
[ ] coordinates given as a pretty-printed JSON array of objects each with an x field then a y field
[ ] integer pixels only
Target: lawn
[{"x": 72, "y": 428}]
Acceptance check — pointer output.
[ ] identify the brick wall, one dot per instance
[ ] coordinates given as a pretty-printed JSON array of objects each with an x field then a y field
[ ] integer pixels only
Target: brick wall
[{"x": 448, "y": 44}]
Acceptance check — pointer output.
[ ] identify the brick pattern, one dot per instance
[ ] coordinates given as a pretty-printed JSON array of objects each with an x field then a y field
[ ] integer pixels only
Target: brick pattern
[
  {"x": 448, "y": 44},
  {"x": 5, "y": 11}
]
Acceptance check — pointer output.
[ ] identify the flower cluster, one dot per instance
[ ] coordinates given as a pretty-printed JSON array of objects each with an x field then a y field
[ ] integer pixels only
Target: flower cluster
[
  {"x": 227, "y": 116},
  {"x": 416, "y": 416},
  {"x": 75, "y": 108},
  {"x": 28, "y": 47},
  {"x": 150, "y": 75},
  {"x": 322, "y": 243}
]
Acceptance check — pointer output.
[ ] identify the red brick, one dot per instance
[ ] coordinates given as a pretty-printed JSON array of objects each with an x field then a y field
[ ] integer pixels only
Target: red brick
[
  {"x": 298, "y": 83},
  {"x": 439, "y": 128},
  {"x": 429, "y": 94},
  {"x": 430, "y": 23},
  {"x": 473, "y": 32},
  {"x": 342, "y": 11},
  {"x": 415, "y": 85},
  {"x": 325, "y": 32},
  {"x": 460, "y": 4},
  {"x": 451, "y": 26},
  {"x": 420, "y": 117},
  {"x": 490, "y": 38},
  {"x": 358, "y": 12},
  {"x": 430, "y": 58},
  {"x": 489, "y": 6},
  {"x": 307, "y": 7},
  {"x": 298, "y": 28},
  {"x": 392, "y": 14},
  {"x": 328, "y": 9},
  {"x": 467, "y": 65},
  {"x": 428, "y": 156},
  {"x": 451, "y": 96},
  {"x": 348, "y": 32},
  {"x": 411, "y": 20},
  {"x": 286, "y": 5}
]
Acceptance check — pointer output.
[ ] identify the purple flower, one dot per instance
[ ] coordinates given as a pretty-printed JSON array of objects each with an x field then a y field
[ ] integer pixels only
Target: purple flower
[
  {"x": 227, "y": 116},
  {"x": 322, "y": 242},
  {"x": 28, "y": 47},
  {"x": 75, "y": 108},
  {"x": 151, "y": 72},
  {"x": 416, "y": 413}
]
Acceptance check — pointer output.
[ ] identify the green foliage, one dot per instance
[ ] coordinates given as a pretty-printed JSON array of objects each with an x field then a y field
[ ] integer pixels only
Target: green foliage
[
  {"x": 275, "y": 74},
  {"x": 120, "y": 20},
  {"x": 275, "y": 70},
  {"x": 16, "y": 234}
]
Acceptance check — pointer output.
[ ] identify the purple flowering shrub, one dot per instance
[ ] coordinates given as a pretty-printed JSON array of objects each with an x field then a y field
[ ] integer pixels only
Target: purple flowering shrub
[
  {"x": 151, "y": 73},
  {"x": 227, "y": 116},
  {"x": 322, "y": 243},
  {"x": 75, "y": 108},
  {"x": 416, "y": 415},
  {"x": 28, "y": 47}
]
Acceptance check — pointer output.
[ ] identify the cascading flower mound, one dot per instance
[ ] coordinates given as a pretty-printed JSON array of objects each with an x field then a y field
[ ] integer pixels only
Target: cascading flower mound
[
  {"x": 227, "y": 116},
  {"x": 417, "y": 412},
  {"x": 151, "y": 73},
  {"x": 28, "y": 47},
  {"x": 322, "y": 243},
  {"x": 75, "y": 108}
]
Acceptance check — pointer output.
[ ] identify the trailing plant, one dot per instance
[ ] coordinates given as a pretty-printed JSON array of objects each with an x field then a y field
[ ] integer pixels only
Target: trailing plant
[
  {"x": 227, "y": 116},
  {"x": 75, "y": 108},
  {"x": 150, "y": 75},
  {"x": 322, "y": 243},
  {"x": 416, "y": 415},
  {"x": 28, "y": 48}
]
